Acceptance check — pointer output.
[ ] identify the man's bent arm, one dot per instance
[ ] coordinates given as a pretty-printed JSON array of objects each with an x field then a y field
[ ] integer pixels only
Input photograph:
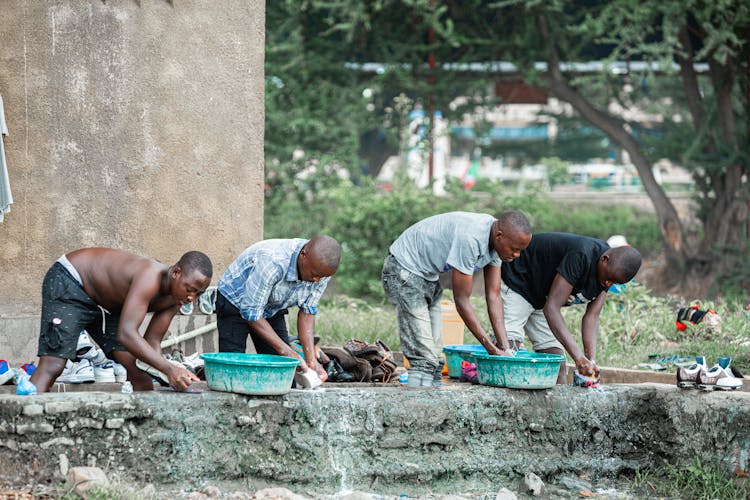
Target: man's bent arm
[
  {"x": 557, "y": 297},
  {"x": 141, "y": 291},
  {"x": 306, "y": 335},
  {"x": 158, "y": 326},
  {"x": 462, "y": 285},
  {"x": 590, "y": 325},
  {"x": 492, "y": 275}
]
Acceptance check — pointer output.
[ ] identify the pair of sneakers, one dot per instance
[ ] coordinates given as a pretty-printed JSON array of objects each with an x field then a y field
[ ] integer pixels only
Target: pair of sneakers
[
  {"x": 91, "y": 365},
  {"x": 424, "y": 379},
  {"x": 9, "y": 375},
  {"x": 721, "y": 376},
  {"x": 206, "y": 303}
]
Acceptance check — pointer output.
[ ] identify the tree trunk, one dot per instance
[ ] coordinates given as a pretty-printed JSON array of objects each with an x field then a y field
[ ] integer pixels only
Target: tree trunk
[{"x": 670, "y": 227}]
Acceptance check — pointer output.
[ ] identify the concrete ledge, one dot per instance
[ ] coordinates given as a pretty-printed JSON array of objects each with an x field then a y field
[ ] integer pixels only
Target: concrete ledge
[
  {"x": 625, "y": 376},
  {"x": 384, "y": 439}
]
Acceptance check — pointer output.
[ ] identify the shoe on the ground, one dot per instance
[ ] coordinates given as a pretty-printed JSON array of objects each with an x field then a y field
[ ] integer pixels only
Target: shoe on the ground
[
  {"x": 207, "y": 300},
  {"x": 187, "y": 309},
  {"x": 6, "y": 372},
  {"x": 589, "y": 382},
  {"x": 420, "y": 379},
  {"x": 121, "y": 374},
  {"x": 195, "y": 364},
  {"x": 81, "y": 372},
  {"x": 105, "y": 372},
  {"x": 687, "y": 378},
  {"x": 85, "y": 344},
  {"x": 437, "y": 378},
  {"x": 29, "y": 368},
  {"x": 95, "y": 355},
  {"x": 156, "y": 374},
  {"x": 720, "y": 376}
]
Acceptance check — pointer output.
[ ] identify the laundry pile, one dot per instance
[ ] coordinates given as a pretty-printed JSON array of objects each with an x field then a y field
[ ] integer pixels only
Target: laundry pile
[{"x": 359, "y": 361}]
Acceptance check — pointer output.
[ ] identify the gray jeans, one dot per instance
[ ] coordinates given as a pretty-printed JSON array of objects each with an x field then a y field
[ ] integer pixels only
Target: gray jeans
[{"x": 420, "y": 324}]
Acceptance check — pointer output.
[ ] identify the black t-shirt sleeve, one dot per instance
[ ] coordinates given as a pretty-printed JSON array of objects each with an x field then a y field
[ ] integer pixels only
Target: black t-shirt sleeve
[{"x": 573, "y": 267}]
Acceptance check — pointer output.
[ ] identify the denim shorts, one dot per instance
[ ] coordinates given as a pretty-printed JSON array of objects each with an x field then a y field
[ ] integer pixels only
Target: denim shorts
[{"x": 66, "y": 311}]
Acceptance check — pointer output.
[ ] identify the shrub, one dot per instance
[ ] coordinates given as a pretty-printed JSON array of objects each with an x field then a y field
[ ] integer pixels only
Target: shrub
[{"x": 367, "y": 218}]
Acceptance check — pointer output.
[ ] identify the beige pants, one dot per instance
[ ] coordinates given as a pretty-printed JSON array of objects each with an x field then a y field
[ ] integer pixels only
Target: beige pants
[{"x": 521, "y": 317}]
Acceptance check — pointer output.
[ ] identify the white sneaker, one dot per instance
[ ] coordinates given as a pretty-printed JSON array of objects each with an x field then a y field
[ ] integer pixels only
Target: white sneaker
[
  {"x": 81, "y": 372},
  {"x": 95, "y": 355},
  {"x": 156, "y": 374},
  {"x": 687, "y": 377},
  {"x": 84, "y": 343},
  {"x": 719, "y": 377},
  {"x": 121, "y": 374},
  {"x": 6, "y": 372},
  {"x": 105, "y": 372},
  {"x": 87, "y": 349},
  {"x": 194, "y": 363}
]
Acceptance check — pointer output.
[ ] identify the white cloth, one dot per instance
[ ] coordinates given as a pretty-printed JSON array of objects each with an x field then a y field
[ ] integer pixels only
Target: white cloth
[{"x": 6, "y": 198}]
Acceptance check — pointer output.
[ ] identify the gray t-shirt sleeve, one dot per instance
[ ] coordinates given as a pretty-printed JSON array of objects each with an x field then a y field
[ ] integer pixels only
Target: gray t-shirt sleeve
[{"x": 463, "y": 254}]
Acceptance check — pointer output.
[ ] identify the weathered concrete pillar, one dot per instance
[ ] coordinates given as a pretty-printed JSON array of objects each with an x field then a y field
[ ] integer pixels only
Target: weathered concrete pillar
[{"x": 133, "y": 124}]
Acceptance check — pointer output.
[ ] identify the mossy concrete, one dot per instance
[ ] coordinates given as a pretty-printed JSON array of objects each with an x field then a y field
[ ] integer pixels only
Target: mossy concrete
[{"x": 384, "y": 439}]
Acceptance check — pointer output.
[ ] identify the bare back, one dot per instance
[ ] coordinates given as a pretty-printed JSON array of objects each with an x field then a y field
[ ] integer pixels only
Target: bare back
[{"x": 109, "y": 275}]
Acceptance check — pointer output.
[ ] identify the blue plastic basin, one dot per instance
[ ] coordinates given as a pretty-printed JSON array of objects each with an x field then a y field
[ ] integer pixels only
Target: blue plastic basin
[
  {"x": 454, "y": 354},
  {"x": 253, "y": 374}
]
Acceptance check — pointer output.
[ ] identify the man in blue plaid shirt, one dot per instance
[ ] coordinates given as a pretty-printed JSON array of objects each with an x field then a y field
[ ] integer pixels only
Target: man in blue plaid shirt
[{"x": 257, "y": 289}]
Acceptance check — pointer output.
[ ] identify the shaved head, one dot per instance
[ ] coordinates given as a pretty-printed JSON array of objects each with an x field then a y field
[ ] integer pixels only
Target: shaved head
[
  {"x": 625, "y": 260},
  {"x": 514, "y": 222},
  {"x": 325, "y": 250}
]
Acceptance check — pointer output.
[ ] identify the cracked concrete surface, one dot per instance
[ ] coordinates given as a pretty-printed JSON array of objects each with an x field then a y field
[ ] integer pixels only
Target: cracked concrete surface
[{"x": 456, "y": 439}]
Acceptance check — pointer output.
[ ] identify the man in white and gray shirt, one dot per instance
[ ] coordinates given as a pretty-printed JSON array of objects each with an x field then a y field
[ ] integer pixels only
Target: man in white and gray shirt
[{"x": 460, "y": 243}]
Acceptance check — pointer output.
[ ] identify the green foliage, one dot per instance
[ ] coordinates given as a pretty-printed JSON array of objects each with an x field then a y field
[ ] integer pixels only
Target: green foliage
[
  {"x": 366, "y": 219},
  {"x": 320, "y": 101},
  {"x": 557, "y": 171},
  {"x": 632, "y": 326}
]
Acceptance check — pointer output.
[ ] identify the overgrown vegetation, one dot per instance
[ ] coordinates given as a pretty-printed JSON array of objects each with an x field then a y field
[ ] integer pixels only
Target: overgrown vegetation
[
  {"x": 366, "y": 219},
  {"x": 665, "y": 80},
  {"x": 696, "y": 482},
  {"x": 634, "y": 325}
]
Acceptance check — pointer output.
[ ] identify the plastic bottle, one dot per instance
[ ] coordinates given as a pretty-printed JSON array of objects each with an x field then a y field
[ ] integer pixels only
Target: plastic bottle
[
  {"x": 127, "y": 387},
  {"x": 24, "y": 386}
]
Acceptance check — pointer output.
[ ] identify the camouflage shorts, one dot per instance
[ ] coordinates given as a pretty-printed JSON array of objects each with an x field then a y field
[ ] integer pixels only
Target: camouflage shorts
[{"x": 419, "y": 315}]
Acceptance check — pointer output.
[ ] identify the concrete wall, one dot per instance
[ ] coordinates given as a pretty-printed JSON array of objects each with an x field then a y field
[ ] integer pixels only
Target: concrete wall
[
  {"x": 133, "y": 124},
  {"x": 462, "y": 438}
]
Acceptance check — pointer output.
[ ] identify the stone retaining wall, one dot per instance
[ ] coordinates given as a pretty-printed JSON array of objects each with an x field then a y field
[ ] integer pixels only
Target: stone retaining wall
[{"x": 382, "y": 439}]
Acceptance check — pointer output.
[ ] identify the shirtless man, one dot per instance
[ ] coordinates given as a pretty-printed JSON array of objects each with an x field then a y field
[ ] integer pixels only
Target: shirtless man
[{"x": 108, "y": 292}]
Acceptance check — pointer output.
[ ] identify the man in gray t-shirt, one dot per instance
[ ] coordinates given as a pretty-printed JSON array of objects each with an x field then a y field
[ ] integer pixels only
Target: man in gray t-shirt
[{"x": 460, "y": 243}]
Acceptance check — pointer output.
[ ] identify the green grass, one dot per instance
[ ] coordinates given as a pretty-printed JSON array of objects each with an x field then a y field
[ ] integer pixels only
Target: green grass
[
  {"x": 696, "y": 482},
  {"x": 633, "y": 325}
]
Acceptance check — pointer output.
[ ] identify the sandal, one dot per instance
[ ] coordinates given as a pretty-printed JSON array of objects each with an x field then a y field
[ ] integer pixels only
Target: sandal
[{"x": 207, "y": 301}]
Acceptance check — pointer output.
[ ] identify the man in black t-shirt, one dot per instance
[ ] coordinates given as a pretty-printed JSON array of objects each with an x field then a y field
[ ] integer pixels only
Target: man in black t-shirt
[{"x": 557, "y": 270}]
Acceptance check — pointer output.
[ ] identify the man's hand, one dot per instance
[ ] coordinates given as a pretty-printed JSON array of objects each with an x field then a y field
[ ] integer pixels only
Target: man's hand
[
  {"x": 179, "y": 378},
  {"x": 496, "y": 351},
  {"x": 587, "y": 367},
  {"x": 302, "y": 368},
  {"x": 320, "y": 371}
]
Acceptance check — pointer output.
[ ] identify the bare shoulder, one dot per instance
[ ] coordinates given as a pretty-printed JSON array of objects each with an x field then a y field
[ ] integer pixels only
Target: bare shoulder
[{"x": 114, "y": 262}]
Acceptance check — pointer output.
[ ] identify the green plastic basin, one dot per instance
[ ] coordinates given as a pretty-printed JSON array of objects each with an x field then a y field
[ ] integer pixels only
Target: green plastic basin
[
  {"x": 253, "y": 374},
  {"x": 528, "y": 371}
]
